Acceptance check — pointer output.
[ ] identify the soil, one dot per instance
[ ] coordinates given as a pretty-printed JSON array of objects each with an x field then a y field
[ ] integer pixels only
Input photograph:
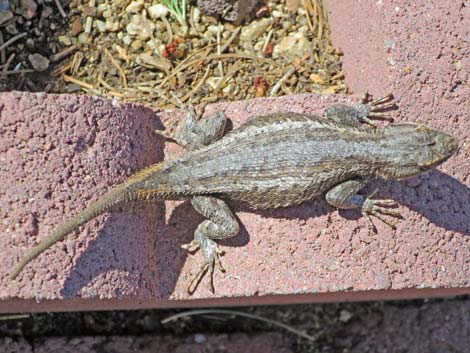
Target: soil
[
  {"x": 129, "y": 50},
  {"x": 411, "y": 326}
]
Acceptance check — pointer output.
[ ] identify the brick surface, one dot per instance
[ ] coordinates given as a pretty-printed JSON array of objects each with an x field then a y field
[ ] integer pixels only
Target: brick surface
[{"x": 61, "y": 152}]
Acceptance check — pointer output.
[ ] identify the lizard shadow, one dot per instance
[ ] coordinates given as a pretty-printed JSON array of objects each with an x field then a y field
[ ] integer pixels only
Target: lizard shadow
[
  {"x": 139, "y": 238},
  {"x": 437, "y": 196},
  {"x": 135, "y": 254}
]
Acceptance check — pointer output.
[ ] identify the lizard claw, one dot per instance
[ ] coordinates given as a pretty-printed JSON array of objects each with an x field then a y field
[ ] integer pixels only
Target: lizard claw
[{"x": 379, "y": 208}]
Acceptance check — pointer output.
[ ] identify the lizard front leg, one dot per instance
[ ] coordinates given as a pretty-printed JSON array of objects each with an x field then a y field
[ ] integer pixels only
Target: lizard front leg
[
  {"x": 345, "y": 196},
  {"x": 220, "y": 224},
  {"x": 362, "y": 112}
]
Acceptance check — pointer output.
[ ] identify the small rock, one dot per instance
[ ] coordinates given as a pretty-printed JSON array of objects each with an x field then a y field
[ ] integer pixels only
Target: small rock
[
  {"x": 140, "y": 27},
  {"x": 84, "y": 38},
  {"x": 200, "y": 338},
  {"x": 292, "y": 5},
  {"x": 213, "y": 81},
  {"x": 4, "y": 5},
  {"x": 157, "y": 11},
  {"x": 28, "y": 8},
  {"x": 345, "y": 315},
  {"x": 76, "y": 27},
  {"x": 108, "y": 13},
  {"x": 196, "y": 15},
  {"x": 11, "y": 29},
  {"x": 255, "y": 29},
  {"x": 294, "y": 45},
  {"x": 136, "y": 45},
  {"x": 5, "y": 16},
  {"x": 89, "y": 11},
  {"x": 127, "y": 40},
  {"x": 47, "y": 12},
  {"x": 135, "y": 6},
  {"x": 111, "y": 25},
  {"x": 286, "y": 25},
  {"x": 38, "y": 62},
  {"x": 101, "y": 8},
  {"x": 65, "y": 40},
  {"x": 100, "y": 25},
  {"x": 30, "y": 43}
]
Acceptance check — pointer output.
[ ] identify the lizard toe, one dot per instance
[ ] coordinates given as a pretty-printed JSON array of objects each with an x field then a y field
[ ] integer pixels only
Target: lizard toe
[
  {"x": 378, "y": 209},
  {"x": 191, "y": 246}
]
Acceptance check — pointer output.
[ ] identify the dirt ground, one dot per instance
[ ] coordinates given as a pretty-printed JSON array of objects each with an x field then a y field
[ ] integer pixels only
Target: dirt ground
[{"x": 439, "y": 325}]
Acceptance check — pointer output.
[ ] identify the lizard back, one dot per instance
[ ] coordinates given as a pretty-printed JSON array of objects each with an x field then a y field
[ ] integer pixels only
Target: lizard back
[{"x": 271, "y": 161}]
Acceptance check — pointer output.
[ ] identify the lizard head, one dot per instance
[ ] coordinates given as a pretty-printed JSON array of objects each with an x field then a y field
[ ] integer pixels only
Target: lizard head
[{"x": 418, "y": 148}]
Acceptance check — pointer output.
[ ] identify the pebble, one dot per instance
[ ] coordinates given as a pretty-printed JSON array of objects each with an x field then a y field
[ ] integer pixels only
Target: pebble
[
  {"x": 294, "y": 45},
  {"x": 11, "y": 29},
  {"x": 140, "y": 27},
  {"x": 101, "y": 25},
  {"x": 28, "y": 8},
  {"x": 84, "y": 38},
  {"x": 89, "y": 11},
  {"x": 111, "y": 25},
  {"x": 157, "y": 11},
  {"x": 65, "y": 40},
  {"x": 5, "y": 16},
  {"x": 47, "y": 12},
  {"x": 136, "y": 45},
  {"x": 255, "y": 29},
  {"x": 196, "y": 15},
  {"x": 135, "y": 6},
  {"x": 76, "y": 27},
  {"x": 200, "y": 338},
  {"x": 127, "y": 40},
  {"x": 213, "y": 81},
  {"x": 38, "y": 62},
  {"x": 108, "y": 13}
]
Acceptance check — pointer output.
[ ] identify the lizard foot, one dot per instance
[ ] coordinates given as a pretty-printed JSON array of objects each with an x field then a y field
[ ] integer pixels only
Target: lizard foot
[
  {"x": 189, "y": 120},
  {"x": 374, "y": 109},
  {"x": 212, "y": 255},
  {"x": 378, "y": 208}
]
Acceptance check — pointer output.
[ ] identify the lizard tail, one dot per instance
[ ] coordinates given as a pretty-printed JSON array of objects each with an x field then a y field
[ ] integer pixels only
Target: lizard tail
[{"x": 112, "y": 198}]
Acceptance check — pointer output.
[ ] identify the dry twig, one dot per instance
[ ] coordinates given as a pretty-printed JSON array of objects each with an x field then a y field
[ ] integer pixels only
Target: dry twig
[
  {"x": 243, "y": 314},
  {"x": 118, "y": 67},
  {"x": 12, "y": 40},
  {"x": 59, "y": 7}
]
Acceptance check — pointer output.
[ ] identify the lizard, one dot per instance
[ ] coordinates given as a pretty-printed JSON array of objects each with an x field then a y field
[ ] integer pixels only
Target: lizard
[{"x": 274, "y": 160}]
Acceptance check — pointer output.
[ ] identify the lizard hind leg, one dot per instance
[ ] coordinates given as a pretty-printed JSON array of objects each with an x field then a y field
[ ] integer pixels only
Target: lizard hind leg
[{"x": 221, "y": 224}]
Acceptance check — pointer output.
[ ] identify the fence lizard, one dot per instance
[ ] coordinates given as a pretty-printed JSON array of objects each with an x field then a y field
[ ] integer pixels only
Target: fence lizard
[{"x": 276, "y": 160}]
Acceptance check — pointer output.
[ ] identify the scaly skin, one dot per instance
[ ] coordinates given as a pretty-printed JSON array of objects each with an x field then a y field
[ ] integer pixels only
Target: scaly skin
[{"x": 277, "y": 160}]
